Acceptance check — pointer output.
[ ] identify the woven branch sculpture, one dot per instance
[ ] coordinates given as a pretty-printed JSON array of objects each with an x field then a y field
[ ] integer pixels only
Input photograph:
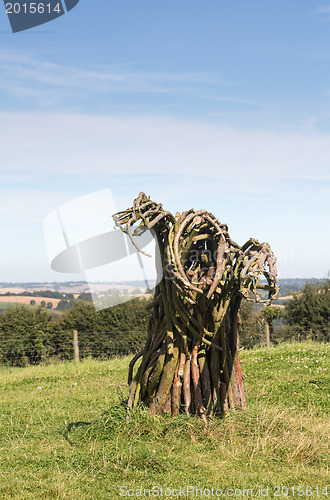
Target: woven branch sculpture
[{"x": 191, "y": 361}]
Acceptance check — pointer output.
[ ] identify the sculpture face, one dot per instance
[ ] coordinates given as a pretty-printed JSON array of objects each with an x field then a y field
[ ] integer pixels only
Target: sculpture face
[{"x": 198, "y": 251}]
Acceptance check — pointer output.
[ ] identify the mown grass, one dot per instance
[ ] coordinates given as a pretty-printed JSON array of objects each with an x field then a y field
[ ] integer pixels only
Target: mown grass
[{"x": 63, "y": 432}]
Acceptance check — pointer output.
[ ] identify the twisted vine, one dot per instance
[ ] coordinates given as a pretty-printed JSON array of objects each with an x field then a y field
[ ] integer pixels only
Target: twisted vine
[{"x": 190, "y": 361}]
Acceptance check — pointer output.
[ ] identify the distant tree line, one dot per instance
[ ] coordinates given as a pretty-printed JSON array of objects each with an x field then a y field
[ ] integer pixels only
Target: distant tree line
[
  {"x": 291, "y": 286},
  {"x": 40, "y": 293},
  {"x": 43, "y": 303},
  {"x": 34, "y": 335},
  {"x": 304, "y": 317}
]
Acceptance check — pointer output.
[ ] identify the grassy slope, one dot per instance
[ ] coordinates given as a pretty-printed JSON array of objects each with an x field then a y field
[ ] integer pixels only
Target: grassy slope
[{"x": 280, "y": 440}]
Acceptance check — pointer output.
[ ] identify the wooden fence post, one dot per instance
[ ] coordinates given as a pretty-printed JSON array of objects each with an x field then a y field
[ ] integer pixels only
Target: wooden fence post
[
  {"x": 76, "y": 346},
  {"x": 267, "y": 332}
]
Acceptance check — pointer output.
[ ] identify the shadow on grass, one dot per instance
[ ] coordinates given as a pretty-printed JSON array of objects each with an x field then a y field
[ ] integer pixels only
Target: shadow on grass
[
  {"x": 141, "y": 425},
  {"x": 110, "y": 420}
]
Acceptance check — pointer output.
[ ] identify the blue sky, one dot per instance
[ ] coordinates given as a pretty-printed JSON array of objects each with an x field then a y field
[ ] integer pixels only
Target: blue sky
[{"x": 213, "y": 104}]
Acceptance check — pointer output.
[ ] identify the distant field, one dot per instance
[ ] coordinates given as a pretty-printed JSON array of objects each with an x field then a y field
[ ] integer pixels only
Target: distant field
[
  {"x": 63, "y": 432},
  {"x": 23, "y": 299},
  {"x": 74, "y": 288}
]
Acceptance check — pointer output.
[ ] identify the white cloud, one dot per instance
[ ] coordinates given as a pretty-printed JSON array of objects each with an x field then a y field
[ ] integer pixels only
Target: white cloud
[
  {"x": 123, "y": 145},
  {"x": 29, "y": 205},
  {"x": 216, "y": 167}
]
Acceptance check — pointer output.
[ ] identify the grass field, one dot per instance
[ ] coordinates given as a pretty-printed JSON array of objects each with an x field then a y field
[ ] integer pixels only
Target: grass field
[{"x": 63, "y": 433}]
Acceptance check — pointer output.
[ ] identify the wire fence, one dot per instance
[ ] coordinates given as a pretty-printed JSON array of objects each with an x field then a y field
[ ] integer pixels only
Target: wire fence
[
  {"x": 282, "y": 332},
  {"x": 73, "y": 345},
  {"x": 18, "y": 351}
]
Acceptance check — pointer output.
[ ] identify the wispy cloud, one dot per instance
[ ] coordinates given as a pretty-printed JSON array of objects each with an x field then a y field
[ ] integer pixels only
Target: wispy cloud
[
  {"x": 235, "y": 100},
  {"x": 323, "y": 9},
  {"x": 24, "y": 75}
]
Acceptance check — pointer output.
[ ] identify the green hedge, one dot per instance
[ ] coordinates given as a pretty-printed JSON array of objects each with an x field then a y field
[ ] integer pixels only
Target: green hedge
[{"x": 30, "y": 336}]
